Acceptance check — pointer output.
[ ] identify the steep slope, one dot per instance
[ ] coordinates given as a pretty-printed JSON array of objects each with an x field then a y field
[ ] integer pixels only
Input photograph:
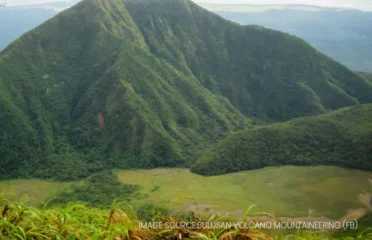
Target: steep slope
[
  {"x": 341, "y": 138},
  {"x": 344, "y": 35},
  {"x": 264, "y": 73},
  {"x": 16, "y": 21},
  {"x": 86, "y": 79},
  {"x": 143, "y": 83},
  {"x": 367, "y": 76}
]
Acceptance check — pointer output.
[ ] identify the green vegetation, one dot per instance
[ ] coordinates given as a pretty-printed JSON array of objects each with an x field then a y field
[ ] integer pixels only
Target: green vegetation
[
  {"x": 77, "y": 221},
  {"x": 150, "y": 212},
  {"x": 20, "y": 20},
  {"x": 157, "y": 83},
  {"x": 364, "y": 226},
  {"x": 100, "y": 99},
  {"x": 343, "y": 34},
  {"x": 283, "y": 191},
  {"x": 341, "y": 138},
  {"x": 264, "y": 73},
  {"x": 37, "y": 191},
  {"x": 367, "y": 76},
  {"x": 98, "y": 190},
  {"x": 150, "y": 83}
]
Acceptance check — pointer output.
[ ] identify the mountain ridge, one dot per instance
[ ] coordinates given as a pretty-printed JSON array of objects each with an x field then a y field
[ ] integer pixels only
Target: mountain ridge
[
  {"x": 69, "y": 90},
  {"x": 343, "y": 35},
  {"x": 243, "y": 7},
  {"x": 151, "y": 83},
  {"x": 221, "y": 68},
  {"x": 340, "y": 138}
]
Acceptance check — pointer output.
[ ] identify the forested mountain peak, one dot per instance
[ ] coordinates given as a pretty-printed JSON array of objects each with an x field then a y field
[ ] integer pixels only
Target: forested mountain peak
[{"x": 150, "y": 83}]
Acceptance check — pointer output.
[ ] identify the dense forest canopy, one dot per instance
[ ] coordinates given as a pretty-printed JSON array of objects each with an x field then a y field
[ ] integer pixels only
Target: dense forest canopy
[
  {"x": 340, "y": 138},
  {"x": 152, "y": 83}
]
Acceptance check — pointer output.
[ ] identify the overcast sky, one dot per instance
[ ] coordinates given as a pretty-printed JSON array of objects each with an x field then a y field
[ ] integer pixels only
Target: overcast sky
[{"x": 360, "y": 4}]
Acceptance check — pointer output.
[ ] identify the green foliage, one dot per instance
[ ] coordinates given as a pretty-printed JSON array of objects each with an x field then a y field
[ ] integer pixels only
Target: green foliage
[
  {"x": 68, "y": 166},
  {"x": 363, "y": 232},
  {"x": 152, "y": 83},
  {"x": 150, "y": 212},
  {"x": 343, "y": 34},
  {"x": 367, "y": 76},
  {"x": 72, "y": 221},
  {"x": 99, "y": 190},
  {"x": 19, "y": 20},
  {"x": 264, "y": 73},
  {"x": 341, "y": 138},
  {"x": 93, "y": 97},
  {"x": 19, "y": 144},
  {"x": 77, "y": 221}
]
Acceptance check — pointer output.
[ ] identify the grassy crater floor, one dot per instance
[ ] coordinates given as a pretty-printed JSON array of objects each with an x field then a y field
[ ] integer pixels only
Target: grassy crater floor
[
  {"x": 288, "y": 191},
  {"x": 283, "y": 191}
]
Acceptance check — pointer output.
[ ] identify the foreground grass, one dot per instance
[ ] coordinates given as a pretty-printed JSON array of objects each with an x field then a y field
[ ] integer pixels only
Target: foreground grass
[
  {"x": 283, "y": 191},
  {"x": 79, "y": 222}
]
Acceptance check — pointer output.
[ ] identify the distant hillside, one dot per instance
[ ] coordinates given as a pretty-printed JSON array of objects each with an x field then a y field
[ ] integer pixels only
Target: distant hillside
[
  {"x": 344, "y": 35},
  {"x": 367, "y": 76},
  {"x": 341, "y": 138},
  {"x": 16, "y": 20},
  {"x": 243, "y": 8},
  {"x": 150, "y": 83}
]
